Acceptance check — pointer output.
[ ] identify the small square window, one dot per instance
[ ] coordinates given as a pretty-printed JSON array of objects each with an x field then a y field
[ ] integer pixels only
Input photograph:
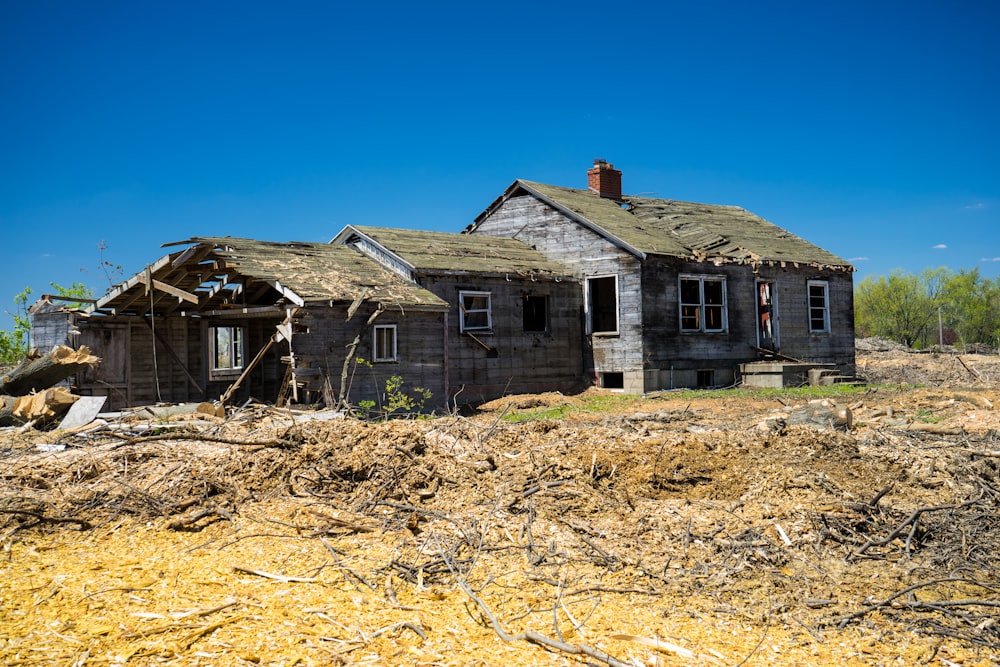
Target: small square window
[
  {"x": 475, "y": 311},
  {"x": 227, "y": 348},
  {"x": 385, "y": 342},
  {"x": 703, "y": 304}
]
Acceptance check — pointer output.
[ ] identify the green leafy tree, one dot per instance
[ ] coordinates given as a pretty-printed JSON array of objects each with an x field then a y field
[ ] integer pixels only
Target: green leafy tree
[
  {"x": 898, "y": 307},
  {"x": 920, "y": 309},
  {"x": 14, "y": 343},
  {"x": 970, "y": 307},
  {"x": 74, "y": 291}
]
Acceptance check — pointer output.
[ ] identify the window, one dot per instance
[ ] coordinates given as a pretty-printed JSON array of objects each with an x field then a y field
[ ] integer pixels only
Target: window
[
  {"x": 819, "y": 306},
  {"x": 476, "y": 314},
  {"x": 602, "y": 304},
  {"x": 703, "y": 303},
  {"x": 227, "y": 348},
  {"x": 535, "y": 314},
  {"x": 385, "y": 342}
]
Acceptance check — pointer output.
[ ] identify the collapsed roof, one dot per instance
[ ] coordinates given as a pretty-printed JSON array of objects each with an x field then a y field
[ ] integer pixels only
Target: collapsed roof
[{"x": 217, "y": 275}]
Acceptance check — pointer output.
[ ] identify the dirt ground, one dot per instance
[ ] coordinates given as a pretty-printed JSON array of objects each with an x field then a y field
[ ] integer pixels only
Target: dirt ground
[{"x": 710, "y": 528}]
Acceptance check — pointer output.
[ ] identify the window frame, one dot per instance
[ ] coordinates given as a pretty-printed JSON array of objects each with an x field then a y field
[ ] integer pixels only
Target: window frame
[
  {"x": 588, "y": 305},
  {"x": 236, "y": 352},
  {"x": 377, "y": 356},
  {"x": 810, "y": 308},
  {"x": 701, "y": 306},
  {"x": 543, "y": 318},
  {"x": 464, "y": 313}
]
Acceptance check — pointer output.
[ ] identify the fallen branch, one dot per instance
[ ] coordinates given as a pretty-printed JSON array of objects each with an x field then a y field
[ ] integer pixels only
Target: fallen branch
[
  {"x": 910, "y": 521},
  {"x": 537, "y": 638},
  {"x": 276, "y": 577}
]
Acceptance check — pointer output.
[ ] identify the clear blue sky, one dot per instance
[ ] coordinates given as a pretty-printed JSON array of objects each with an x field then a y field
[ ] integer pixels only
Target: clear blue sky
[{"x": 870, "y": 128}]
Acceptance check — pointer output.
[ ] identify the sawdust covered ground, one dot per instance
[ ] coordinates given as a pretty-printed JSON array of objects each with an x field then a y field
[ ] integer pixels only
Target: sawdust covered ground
[{"x": 682, "y": 529}]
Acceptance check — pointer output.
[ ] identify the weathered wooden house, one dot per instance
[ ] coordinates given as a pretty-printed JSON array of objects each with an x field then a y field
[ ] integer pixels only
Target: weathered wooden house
[
  {"x": 515, "y": 318},
  {"x": 243, "y": 318},
  {"x": 548, "y": 289},
  {"x": 679, "y": 294}
]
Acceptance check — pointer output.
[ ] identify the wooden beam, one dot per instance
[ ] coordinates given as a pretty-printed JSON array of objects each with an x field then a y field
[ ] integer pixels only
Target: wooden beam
[
  {"x": 246, "y": 371},
  {"x": 287, "y": 293},
  {"x": 148, "y": 280}
]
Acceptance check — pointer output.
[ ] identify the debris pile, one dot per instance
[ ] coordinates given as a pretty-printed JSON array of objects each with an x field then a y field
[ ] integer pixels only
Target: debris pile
[
  {"x": 28, "y": 393},
  {"x": 696, "y": 528}
]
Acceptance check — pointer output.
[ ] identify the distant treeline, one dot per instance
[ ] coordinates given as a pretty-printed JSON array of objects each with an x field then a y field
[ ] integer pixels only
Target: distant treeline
[{"x": 937, "y": 306}]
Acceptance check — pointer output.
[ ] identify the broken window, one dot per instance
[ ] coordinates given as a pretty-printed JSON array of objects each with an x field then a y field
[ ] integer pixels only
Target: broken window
[
  {"x": 535, "y": 314},
  {"x": 476, "y": 314},
  {"x": 819, "y": 306},
  {"x": 703, "y": 303},
  {"x": 602, "y": 304},
  {"x": 385, "y": 342},
  {"x": 227, "y": 348}
]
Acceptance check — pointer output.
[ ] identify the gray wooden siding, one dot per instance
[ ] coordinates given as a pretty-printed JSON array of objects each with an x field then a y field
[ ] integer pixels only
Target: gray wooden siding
[
  {"x": 325, "y": 334},
  {"x": 586, "y": 254},
  {"x": 516, "y": 361},
  {"x": 673, "y": 358}
]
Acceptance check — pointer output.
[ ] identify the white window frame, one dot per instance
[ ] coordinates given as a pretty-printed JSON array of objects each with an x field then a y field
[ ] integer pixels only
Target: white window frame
[
  {"x": 825, "y": 307},
  {"x": 589, "y": 312},
  {"x": 701, "y": 305},
  {"x": 464, "y": 313},
  {"x": 378, "y": 353},
  {"x": 236, "y": 353}
]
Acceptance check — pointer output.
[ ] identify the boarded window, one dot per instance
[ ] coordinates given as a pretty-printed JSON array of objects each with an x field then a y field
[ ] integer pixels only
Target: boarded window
[
  {"x": 819, "y": 306},
  {"x": 536, "y": 314},
  {"x": 602, "y": 304},
  {"x": 476, "y": 313},
  {"x": 703, "y": 303},
  {"x": 385, "y": 342},
  {"x": 227, "y": 348}
]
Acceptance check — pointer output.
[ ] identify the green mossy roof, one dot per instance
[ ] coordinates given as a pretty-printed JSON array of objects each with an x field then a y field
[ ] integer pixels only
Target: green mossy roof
[
  {"x": 462, "y": 253},
  {"x": 685, "y": 229}
]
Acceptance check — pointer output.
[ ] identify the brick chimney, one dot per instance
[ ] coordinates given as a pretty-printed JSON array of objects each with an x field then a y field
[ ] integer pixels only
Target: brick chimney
[{"x": 604, "y": 180}]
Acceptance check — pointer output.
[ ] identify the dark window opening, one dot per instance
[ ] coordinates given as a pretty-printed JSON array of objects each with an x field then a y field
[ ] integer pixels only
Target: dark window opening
[
  {"x": 602, "y": 296},
  {"x": 535, "y": 313},
  {"x": 613, "y": 380},
  {"x": 706, "y": 379}
]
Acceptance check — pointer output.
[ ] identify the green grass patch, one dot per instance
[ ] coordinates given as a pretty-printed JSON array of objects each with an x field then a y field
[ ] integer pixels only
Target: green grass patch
[{"x": 611, "y": 403}]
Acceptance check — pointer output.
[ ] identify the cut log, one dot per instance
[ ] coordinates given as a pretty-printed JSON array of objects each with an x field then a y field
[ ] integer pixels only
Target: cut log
[
  {"x": 37, "y": 374},
  {"x": 823, "y": 414},
  {"x": 39, "y": 408}
]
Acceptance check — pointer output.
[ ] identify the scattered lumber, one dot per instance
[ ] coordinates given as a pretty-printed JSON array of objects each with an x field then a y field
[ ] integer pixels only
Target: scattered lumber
[
  {"x": 37, "y": 373},
  {"x": 36, "y": 408}
]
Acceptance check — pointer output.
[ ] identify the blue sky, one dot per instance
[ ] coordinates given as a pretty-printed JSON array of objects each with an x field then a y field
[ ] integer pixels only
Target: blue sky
[{"x": 869, "y": 128}]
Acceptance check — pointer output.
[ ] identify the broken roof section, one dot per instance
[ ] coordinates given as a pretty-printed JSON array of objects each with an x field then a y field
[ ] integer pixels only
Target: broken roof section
[
  {"x": 223, "y": 274},
  {"x": 407, "y": 251},
  {"x": 649, "y": 226}
]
